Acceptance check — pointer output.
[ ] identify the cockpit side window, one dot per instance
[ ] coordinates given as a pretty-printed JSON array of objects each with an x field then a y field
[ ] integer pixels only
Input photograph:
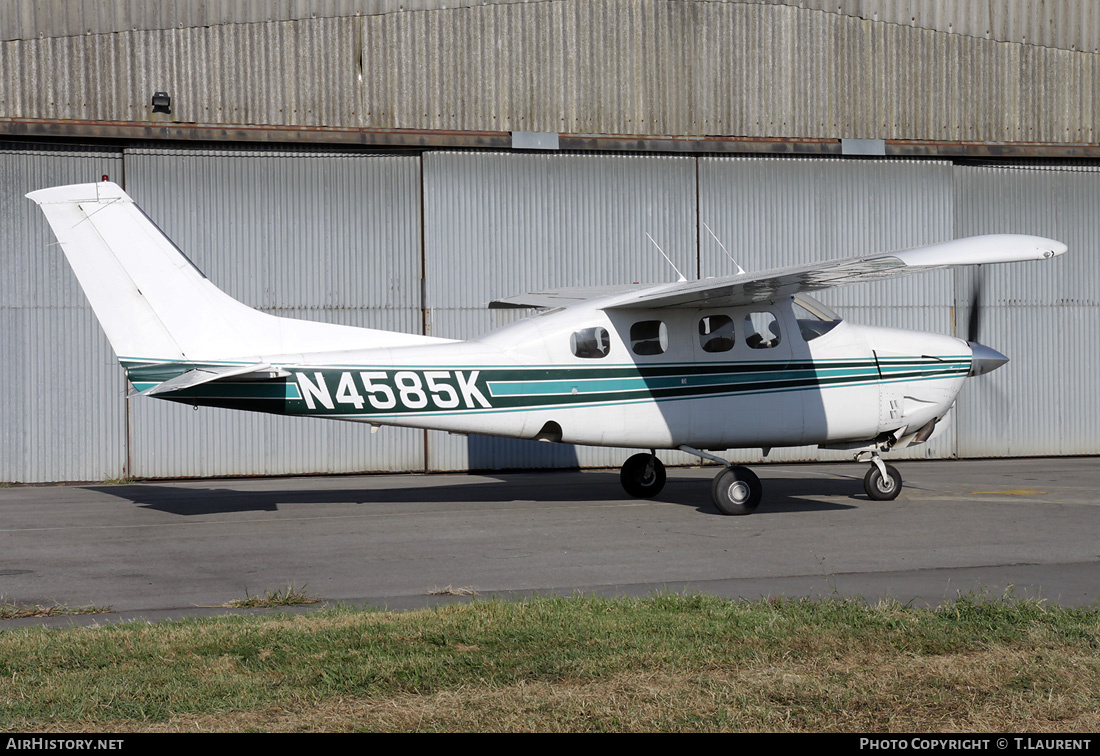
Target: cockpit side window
[
  {"x": 649, "y": 337},
  {"x": 814, "y": 319},
  {"x": 590, "y": 343},
  {"x": 762, "y": 330},
  {"x": 716, "y": 333}
]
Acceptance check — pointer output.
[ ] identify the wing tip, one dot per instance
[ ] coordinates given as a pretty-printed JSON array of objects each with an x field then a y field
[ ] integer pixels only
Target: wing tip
[{"x": 982, "y": 250}]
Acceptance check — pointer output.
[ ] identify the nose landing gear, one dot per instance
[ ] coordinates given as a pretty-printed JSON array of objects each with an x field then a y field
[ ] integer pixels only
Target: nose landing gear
[{"x": 882, "y": 482}]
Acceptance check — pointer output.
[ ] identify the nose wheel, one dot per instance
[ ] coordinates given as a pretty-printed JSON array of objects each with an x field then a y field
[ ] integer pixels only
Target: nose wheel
[{"x": 882, "y": 482}]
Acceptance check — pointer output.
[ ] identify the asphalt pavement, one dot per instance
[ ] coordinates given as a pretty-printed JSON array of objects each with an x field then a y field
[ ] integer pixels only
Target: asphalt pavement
[{"x": 168, "y": 549}]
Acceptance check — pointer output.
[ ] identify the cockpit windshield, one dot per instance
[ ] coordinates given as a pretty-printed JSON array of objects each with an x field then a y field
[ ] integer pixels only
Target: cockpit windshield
[{"x": 814, "y": 318}]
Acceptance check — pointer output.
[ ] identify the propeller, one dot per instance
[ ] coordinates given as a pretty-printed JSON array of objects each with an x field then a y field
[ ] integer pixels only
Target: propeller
[{"x": 985, "y": 360}]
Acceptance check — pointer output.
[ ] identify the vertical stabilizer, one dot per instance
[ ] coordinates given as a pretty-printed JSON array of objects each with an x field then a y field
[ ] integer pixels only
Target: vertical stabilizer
[{"x": 154, "y": 304}]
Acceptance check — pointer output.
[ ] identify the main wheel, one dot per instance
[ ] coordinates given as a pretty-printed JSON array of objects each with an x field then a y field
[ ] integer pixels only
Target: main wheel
[
  {"x": 643, "y": 476},
  {"x": 880, "y": 488},
  {"x": 736, "y": 491}
]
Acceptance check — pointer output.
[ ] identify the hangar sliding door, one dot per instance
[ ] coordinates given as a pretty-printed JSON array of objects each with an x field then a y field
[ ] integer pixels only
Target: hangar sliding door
[
  {"x": 1043, "y": 316},
  {"x": 63, "y": 392},
  {"x": 771, "y": 212},
  {"x": 497, "y": 225},
  {"x": 320, "y": 236}
]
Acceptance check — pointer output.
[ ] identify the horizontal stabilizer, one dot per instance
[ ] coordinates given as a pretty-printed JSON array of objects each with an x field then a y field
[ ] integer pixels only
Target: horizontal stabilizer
[{"x": 199, "y": 376}]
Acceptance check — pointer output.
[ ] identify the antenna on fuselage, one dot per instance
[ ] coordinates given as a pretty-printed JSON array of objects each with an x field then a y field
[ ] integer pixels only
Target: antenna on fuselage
[
  {"x": 658, "y": 246},
  {"x": 740, "y": 270}
]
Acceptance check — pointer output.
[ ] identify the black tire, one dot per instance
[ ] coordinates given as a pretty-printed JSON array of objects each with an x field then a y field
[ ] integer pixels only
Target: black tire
[
  {"x": 640, "y": 479},
  {"x": 879, "y": 488},
  {"x": 736, "y": 491}
]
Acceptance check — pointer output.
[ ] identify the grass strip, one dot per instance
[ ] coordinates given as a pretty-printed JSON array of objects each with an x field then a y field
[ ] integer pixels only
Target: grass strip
[
  {"x": 666, "y": 663},
  {"x": 290, "y": 596},
  {"x": 12, "y": 610}
]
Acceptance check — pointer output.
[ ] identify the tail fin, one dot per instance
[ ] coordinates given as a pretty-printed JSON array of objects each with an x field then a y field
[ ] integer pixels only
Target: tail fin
[{"x": 154, "y": 304}]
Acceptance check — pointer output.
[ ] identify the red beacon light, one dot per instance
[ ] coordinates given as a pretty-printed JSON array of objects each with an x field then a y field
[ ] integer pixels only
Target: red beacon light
[{"x": 105, "y": 178}]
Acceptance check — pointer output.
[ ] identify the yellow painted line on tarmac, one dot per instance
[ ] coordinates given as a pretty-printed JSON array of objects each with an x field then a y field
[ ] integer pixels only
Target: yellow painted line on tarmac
[{"x": 1018, "y": 492}]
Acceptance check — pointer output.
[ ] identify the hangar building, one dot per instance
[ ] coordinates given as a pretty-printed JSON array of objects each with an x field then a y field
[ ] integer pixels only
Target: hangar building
[{"x": 399, "y": 163}]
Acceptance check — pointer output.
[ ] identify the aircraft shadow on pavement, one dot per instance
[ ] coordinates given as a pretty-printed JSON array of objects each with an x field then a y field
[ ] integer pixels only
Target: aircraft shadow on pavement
[{"x": 780, "y": 494}]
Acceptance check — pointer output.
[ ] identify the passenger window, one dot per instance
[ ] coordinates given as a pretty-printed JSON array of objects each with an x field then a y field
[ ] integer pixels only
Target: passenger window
[
  {"x": 716, "y": 333},
  {"x": 761, "y": 330},
  {"x": 590, "y": 343},
  {"x": 649, "y": 337}
]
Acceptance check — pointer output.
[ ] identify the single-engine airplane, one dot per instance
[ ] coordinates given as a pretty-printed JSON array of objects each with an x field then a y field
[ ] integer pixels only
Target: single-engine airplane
[{"x": 748, "y": 360}]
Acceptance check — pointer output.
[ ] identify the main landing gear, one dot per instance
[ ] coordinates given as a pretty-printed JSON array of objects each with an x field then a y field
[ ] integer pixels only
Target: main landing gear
[
  {"x": 736, "y": 490},
  {"x": 643, "y": 475}
]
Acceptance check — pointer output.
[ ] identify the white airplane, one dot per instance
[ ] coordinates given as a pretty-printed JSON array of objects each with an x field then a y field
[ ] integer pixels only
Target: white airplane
[{"x": 748, "y": 360}]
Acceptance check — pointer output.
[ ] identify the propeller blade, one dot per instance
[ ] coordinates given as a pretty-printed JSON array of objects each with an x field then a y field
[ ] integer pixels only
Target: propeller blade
[
  {"x": 985, "y": 360},
  {"x": 973, "y": 326}
]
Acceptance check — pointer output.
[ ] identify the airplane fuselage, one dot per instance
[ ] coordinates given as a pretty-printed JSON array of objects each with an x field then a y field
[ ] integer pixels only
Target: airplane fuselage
[{"x": 715, "y": 379}]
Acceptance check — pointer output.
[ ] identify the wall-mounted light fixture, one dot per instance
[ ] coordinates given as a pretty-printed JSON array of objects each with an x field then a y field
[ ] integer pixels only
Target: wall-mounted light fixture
[{"x": 162, "y": 103}]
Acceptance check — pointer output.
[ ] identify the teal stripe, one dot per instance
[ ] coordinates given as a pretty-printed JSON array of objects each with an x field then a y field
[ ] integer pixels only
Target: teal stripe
[
  {"x": 587, "y": 386},
  {"x": 518, "y": 389},
  {"x": 598, "y": 402}
]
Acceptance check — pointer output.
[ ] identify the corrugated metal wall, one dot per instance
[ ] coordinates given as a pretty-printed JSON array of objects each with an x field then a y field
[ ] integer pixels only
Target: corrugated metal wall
[
  {"x": 1067, "y": 24},
  {"x": 343, "y": 238},
  {"x": 1045, "y": 317},
  {"x": 62, "y": 411},
  {"x": 316, "y": 236},
  {"x": 646, "y": 67},
  {"x": 504, "y": 224},
  {"x": 690, "y": 68},
  {"x": 28, "y": 19},
  {"x": 771, "y": 212}
]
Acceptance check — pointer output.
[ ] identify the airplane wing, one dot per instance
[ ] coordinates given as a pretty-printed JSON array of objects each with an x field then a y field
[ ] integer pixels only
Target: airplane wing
[
  {"x": 564, "y": 297},
  {"x": 773, "y": 284},
  {"x": 731, "y": 291}
]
